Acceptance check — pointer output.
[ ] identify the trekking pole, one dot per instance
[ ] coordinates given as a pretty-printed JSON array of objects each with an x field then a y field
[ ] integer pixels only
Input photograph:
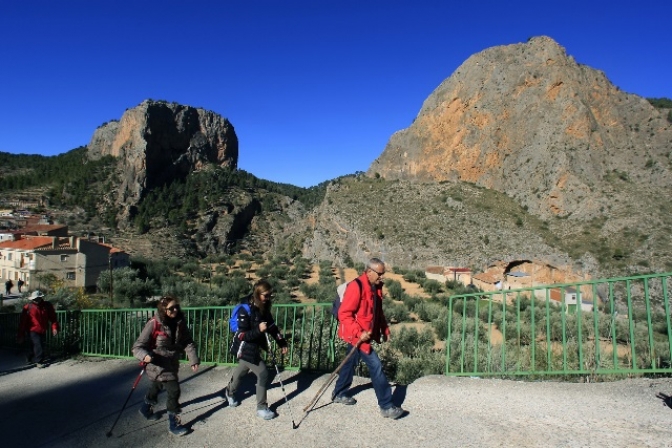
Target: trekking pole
[
  {"x": 282, "y": 386},
  {"x": 320, "y": 392},
  {"x": 135, "y": 384}
]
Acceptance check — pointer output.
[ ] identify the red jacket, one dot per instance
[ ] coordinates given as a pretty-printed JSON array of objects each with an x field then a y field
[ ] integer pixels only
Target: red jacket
[
  {"x": 36, "y": 316},
  {"x": 357, "y": 314}
]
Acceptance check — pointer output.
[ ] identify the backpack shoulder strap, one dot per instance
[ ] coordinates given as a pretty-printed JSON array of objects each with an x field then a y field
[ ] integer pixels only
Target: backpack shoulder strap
[
  {"x": 156, "y": 331},
  {"x": 359, "y": 283}
]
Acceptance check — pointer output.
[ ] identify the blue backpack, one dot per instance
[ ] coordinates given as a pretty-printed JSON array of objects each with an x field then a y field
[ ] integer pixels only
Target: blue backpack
[{"x": 233, "y": 321}]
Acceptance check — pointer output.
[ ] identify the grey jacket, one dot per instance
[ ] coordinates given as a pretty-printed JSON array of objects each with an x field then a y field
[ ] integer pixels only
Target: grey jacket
[{"x": 165, "y": 353}]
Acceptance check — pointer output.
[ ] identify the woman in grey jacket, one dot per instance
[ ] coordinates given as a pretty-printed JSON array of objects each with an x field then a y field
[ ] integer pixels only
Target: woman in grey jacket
[{"x": 160, "y": 346}]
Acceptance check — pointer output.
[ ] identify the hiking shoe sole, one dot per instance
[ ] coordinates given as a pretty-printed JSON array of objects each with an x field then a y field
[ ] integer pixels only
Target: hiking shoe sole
[
  {"x": 344, "y": 399},
  {"x": 230, "y": 399},
  {"x": 266, "y": 414},
  {"x": 392, "y": 412}
]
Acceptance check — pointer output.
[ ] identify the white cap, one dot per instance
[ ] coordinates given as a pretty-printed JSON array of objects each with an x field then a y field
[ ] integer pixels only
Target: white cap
[{"x": 37, "y": 294}]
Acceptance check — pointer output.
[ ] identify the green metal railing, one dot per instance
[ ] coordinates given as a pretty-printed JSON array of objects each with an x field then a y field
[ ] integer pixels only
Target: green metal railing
[
  {"x": 309, "y": 329},
  {"x": 601, "y": 327},
  {"x": 618, "y": 326}
]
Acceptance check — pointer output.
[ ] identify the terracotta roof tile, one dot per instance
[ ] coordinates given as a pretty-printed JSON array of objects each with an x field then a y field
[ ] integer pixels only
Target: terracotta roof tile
[{"x": 28, "y": 243}]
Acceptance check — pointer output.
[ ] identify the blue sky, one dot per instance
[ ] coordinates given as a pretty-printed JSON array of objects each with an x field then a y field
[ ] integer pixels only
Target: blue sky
[{"x": 314, "y": 89}]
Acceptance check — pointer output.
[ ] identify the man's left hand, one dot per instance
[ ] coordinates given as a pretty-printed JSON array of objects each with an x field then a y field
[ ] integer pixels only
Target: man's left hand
[{"x": 284, "y": 350}]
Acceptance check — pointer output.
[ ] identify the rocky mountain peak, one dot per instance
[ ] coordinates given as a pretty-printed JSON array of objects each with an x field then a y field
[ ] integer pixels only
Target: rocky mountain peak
[
  {"x": 527, "y": 120},
  {"x": 157, "y": 142}
]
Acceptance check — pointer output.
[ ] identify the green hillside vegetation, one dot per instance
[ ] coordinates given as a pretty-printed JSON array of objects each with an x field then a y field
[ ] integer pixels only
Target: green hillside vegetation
[
  {"x": 203, "y": 190},
  {"x": 462, "y": 221},
  {"x": 69, "y": 181},
  {"x": 66, "y": 180},
  {"x": 662, "y": 103}
]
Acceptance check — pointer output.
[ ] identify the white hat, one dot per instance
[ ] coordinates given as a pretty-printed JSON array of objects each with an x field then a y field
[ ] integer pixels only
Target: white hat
[{"x": 37, "y": 294}]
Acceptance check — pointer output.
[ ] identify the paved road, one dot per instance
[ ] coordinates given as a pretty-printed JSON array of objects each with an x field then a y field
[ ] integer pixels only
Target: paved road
[{"x": 73, "y": 403}]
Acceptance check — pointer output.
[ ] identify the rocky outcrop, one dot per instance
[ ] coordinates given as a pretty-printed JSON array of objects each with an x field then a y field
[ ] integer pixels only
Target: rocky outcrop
[
  {"x": 158, "y": 142},
  {"x": 529, "y": 121},
  {"x": 225, "y": 225}
]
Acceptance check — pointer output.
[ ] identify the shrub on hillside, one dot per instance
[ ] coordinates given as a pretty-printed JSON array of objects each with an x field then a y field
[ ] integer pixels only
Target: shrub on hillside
[
  {"x": 440, "y": 324},
  {"x": 395, "y": 312},
  {"x": 394, "y": 289},
  {"x": 432, "y": 286},
  {"x": 428, "y": 311},
  {"x": 411, "y": 355},
  {"x": 411, "y": 301},
  {"x": 264, "y": 271},
  {"x": 410, "y": 343},
  {"x": 322, "y": 293},
  {"x": 280, "y": 271}
]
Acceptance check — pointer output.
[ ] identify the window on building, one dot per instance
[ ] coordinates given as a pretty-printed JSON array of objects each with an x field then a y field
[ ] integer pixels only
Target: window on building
[
  {"x": 64, "y": 258},
  {"x": 70, "y": 275},
  {"x": 9, "y": 256}
]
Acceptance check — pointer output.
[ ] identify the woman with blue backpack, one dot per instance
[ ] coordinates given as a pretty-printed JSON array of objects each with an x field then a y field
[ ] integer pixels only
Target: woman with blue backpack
[{"x": 251, "y": 321}]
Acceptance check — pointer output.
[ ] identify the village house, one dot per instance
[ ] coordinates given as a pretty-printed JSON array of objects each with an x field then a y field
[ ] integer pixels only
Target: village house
[
  {"x": 19, "y": 221},
  {"x": 77, "y": 261},
  {"x": 487, "y": 281},
  {"x": 519, "y": 274},
  {"x": 37, "y": 229},
  {"x": 443, "y": 274},
  {"x": 570, "y": 293}
]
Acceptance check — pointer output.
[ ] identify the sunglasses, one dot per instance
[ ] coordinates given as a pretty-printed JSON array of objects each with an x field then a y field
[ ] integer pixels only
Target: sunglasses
[{"x": 174, "y": 308}]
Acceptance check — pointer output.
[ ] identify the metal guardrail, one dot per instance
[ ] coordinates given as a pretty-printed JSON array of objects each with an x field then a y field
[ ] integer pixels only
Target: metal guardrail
[
  {"x": 615, "y": 326},
  {"x": 309, "y": 329}
]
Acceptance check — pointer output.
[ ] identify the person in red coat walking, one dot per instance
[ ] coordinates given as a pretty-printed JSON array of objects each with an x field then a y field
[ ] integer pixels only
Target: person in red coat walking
[
  {"x": 362, "y": 322},
  {"x": 34, "y": 323}
]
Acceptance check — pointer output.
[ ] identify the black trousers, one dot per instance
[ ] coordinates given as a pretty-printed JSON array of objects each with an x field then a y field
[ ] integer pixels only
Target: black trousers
[
  {"x": 37, "y": 340},
  {"x": 172, "y": 388}
]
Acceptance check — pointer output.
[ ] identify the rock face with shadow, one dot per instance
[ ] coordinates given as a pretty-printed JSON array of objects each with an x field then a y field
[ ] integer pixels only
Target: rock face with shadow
[{"x": 157, "y": 142}]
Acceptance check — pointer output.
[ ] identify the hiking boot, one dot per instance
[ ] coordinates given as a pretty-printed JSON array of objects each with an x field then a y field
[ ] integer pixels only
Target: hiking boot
[
  {"x": 344, "y": 399},
  {"x": 175, "y": 425},
  {"x": 265, "y": 413},
  {"x": 230, "y": 398},
  {"x": 41, "y": 364},
  {"x": 147, "y": 411},
  {"x": 392, "y": 412}
]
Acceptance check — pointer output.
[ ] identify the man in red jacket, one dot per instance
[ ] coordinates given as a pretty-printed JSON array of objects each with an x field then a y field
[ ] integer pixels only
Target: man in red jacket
[
  {"x": 362, "y": 321},
  {"x": 35, "y": 319}
]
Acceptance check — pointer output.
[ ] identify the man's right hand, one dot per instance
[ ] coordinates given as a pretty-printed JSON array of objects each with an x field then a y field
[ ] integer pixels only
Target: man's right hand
[
  {"x": 262, "y": 327},
  {"x": 365, "y": 336},
  {"x": 147, "y": 359}
]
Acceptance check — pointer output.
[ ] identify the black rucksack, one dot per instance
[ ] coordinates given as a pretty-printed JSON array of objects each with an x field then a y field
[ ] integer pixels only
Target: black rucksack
[{"x": 340, "y": 292}]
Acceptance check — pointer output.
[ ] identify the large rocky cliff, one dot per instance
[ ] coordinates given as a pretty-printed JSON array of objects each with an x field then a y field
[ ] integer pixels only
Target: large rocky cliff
[
  {"x": 584, "y": 169},
  {"x": 529, "y": 121},
  {"x": 157, "y": 142}
]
